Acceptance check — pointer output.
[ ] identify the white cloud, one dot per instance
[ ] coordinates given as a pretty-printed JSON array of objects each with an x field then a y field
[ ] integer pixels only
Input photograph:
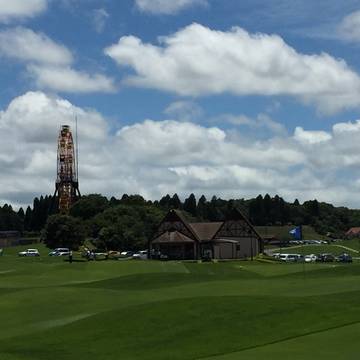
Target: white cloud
[
  {"x": 66, "y": 79},
  {"x": 184, "y": 110},
  {"x": 48, "y": 63},
  {"x": 26, "y": 45},
  {"x": 349, "y": 28},
  {"x": 197, "y": 61},
  {"x": 31, "y": 124},
  {"x": 19, "y": 9},
  {"x": 158, "y": 157},
  {"x": 261, "y": 121},
  {"x": 348, "y": 127},
  {"x": 311, "y": 137},
  {"x": 167, "y": 6},
  {"x": 100, "y": 17}
]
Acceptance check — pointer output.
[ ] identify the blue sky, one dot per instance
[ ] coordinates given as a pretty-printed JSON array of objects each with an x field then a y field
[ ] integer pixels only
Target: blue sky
[{"x": 221, "y": 97}]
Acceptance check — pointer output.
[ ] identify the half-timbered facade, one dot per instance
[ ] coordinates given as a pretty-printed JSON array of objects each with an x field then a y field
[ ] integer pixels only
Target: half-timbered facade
[{"x": 234, "y": 238}]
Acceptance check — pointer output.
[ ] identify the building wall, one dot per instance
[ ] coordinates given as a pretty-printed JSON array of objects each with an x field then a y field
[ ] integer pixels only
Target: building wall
[
  {"x": 225, "y": 251},
  {"x": 242, "y": 249}
]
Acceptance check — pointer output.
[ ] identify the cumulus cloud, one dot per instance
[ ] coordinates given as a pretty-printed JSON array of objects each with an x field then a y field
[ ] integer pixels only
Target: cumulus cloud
[
  {"x": 261, "y": 121},
  {"x": 19, "y": 9},
  {"x": 49, "y": 63},
  {"x": 167, "y": 7},
  {"x": 66, "y": 79},
  {"x": 30, "y": 128},
  {"x": 26, "y": 45},
  {"x": 158, "y": 157},
  {"x": 349, "y": 28},
  {"x": 198, "y": 61},
  {"x": 311, "y": 137}
]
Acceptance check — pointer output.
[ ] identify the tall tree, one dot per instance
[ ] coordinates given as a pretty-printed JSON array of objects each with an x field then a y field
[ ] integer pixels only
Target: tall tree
[
  {"x": 89, "y": 206},
  {"x": 63, "y": 231},
  {"x": 190, "y": 205},
  {"x": 175, "y": 202}
]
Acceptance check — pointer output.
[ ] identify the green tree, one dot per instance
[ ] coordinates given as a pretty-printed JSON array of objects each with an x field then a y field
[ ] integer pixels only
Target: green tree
[
  {"x": 63, "y": 231},
  {"x": 175, "y": 202},
  {"x": 89, "y": 206},
  {"x": 126, "y": 227},
  {"x": 190, "y": 205},
  {"x": 165, "y": 201},
  {"x": 27, "y": 219}
]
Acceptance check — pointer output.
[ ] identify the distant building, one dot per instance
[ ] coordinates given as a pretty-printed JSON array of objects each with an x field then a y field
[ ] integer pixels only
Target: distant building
[
  {"x": 9, "y": 238},
  {"x": 353, "y": 233},
  {"x": 234, "y": 238}
]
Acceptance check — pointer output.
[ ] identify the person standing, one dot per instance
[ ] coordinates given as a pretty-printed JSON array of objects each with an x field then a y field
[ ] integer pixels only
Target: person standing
[{"x": 70, "y": 256}]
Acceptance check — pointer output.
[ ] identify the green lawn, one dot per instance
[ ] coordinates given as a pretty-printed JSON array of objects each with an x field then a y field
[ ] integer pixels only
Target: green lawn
[
  {"x": 336, "y": 248},
  {"x": 51, "y": 309}
]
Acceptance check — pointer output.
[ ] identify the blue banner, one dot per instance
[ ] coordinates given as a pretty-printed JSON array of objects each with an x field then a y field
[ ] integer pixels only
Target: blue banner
[{"x": 296, "y": 233}]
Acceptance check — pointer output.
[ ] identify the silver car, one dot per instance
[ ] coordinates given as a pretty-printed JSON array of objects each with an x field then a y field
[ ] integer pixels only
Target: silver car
[{"x": 29, "y": 252}]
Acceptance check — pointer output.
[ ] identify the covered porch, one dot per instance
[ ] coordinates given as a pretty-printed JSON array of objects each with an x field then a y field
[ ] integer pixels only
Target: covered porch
[{"x": 173, "y": 245}]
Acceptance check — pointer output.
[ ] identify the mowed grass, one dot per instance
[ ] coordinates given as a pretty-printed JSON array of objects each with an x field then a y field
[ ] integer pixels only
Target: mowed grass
[
  {"x": 50, "y": 309},
  {"x": 282, "y": 232}
]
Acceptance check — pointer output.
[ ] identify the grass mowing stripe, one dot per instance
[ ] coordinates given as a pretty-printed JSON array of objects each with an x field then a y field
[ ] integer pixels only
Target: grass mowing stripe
[
  {"x": 193, "y": 325},
  {"x": 281, "y": 340},
  {"x": 160, "y": 310}
]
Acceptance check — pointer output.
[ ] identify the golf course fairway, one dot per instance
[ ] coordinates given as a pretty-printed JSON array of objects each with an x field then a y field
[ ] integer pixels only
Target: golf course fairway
[{"x": 50, "y": 309}]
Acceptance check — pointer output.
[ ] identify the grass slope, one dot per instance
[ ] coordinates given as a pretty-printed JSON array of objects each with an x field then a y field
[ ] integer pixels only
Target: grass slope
[
  {"x": 51, "y": 309},
  {"x": 282, "y": 232}
]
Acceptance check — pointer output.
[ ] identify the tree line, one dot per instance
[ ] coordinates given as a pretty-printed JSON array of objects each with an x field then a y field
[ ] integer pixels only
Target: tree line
[{"x": 130, "y": 221}]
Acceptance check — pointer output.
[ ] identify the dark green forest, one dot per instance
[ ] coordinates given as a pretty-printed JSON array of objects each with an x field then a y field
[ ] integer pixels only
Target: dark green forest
[{"x": 130, "y": 221}]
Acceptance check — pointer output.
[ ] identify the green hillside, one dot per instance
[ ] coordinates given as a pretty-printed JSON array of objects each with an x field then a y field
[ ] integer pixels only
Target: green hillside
[{"x": 282, "y": 232}]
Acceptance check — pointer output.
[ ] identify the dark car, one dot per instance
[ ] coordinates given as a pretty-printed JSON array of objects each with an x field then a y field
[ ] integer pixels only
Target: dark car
[
  {"x": 345, "y": 258},
  {"x": 326, "y": 258}
]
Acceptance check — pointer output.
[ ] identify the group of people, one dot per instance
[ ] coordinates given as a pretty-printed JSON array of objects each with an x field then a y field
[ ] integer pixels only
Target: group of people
[{"x": 91, "y": 255}]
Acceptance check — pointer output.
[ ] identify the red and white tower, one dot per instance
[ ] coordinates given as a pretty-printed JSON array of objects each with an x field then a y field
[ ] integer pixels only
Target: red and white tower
[{"x": 67, "y": 183}]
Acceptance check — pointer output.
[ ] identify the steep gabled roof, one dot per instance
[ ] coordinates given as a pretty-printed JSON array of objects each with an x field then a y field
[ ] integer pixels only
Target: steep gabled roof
[
  {"x": 173, "y": 217},
  {"x": 206, "y": 231},
  {"x": 236, "y": 215},
  {"x": 175, "y": 228},
  {"x": 172, "y": 237}
]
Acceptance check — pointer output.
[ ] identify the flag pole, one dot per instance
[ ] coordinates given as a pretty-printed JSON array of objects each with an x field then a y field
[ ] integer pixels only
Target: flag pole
[{"x": 302, "y": 248}]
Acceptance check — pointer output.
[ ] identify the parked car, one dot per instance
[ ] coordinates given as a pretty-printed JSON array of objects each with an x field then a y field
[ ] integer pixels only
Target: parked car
[
  {"x": 325, "y": 258},
  {"x": 114, "y": 254},
  {"x": 99, "y": 254},
  {"x": 345, "y": 258},
  {"x": 126, "y": 254},
  {"x": 310, "y": 258},
  {"x": 141, "y": 255},
  {"x": 29, "y": 252},
  {"x": 290, "y": 257},
  {"x": 60, "y": 252}
]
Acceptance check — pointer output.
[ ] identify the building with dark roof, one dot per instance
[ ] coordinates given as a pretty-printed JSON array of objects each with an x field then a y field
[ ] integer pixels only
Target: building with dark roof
[
  {"x": 234, "y": 238},
  {"x": 354, "y": 232}
]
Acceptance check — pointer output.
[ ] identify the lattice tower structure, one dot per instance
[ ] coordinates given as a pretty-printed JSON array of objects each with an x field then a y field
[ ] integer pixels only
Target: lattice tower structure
[{"x": 67, "y": 183}]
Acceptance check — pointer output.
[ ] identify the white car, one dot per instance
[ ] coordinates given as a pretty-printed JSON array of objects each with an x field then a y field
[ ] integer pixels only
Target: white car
[
  {"x": 60, "y": 252},
  {"x": 29, "y": 252},
  {"x": 310, "y": 258},
  {"x": 290, "y": 257},
  {"x": 142, "y": 255}
]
